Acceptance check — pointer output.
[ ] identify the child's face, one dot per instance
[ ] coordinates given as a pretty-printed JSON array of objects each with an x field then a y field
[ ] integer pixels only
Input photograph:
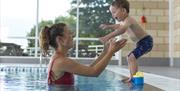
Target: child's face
[{"x": 117, "y": 13}]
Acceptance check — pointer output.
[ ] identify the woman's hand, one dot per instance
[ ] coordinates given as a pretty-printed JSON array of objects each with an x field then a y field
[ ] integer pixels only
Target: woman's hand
[
  {"x": 103, "y": 39},
  {"x": 115, "y": 46},
  {"x": 106, "y": 47}
]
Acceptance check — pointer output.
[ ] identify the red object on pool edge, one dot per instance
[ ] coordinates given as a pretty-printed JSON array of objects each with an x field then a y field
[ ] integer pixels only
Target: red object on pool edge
[{"x": 143, "y": 19}]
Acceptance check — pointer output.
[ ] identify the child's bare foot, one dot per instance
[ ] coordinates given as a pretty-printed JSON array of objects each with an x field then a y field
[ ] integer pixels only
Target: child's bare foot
[{"x": 127, "y": 80}]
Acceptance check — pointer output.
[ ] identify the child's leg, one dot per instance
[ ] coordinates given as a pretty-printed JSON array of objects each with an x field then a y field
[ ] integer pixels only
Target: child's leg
[
  {"x": 132, "y": 64},
  {"x": 143, "y": 46}
]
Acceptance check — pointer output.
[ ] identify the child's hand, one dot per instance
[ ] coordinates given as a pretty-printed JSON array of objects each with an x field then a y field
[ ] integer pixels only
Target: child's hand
[{"x": 103, "y": 26}]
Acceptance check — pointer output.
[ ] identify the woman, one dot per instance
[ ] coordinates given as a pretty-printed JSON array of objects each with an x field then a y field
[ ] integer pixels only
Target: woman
[{"x": 61, "y": 68}]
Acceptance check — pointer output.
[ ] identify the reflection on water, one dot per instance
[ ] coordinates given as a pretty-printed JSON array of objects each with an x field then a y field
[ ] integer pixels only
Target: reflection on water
[
  {"x": 94, "y": 87},
  {"x": 62, "y": 88},
  {"x": 35, "y": 80},
  {"x": 107, "y": 81},
  {"x": 134, "y": 87}
]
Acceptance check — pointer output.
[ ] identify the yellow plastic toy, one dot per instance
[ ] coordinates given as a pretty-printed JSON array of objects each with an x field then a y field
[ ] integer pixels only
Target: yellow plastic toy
[
  {"x": 138, "y": 78},
  {"x": 139, "y": 74}
]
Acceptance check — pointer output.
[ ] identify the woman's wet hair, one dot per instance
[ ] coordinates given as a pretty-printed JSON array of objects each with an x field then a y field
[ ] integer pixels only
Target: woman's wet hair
[
  {"x": 121, "y": 4},
  {"x": 48, "y": 36}
]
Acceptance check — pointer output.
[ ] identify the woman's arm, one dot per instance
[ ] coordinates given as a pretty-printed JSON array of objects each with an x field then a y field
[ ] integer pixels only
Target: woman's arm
[
  {"x": 68, "y": 65},
  {"x": 101, "y": 55},
  {"x": 98, "y": 59}
]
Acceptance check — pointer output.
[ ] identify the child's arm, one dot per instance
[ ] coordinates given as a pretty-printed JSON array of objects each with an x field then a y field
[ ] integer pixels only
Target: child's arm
[
  {"x": 109, "y": 26},
  {"x": 120, "y": 29}
]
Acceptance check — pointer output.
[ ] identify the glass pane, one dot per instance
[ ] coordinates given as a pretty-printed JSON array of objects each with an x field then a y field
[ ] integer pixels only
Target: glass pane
[
  {"x": 13, "y": 49},
  {"x": 51, "y": 9},
  {"x": 87, "y": 49},
  {"x": 92, "y": 13},
  {"x": 17, "y": 17}
]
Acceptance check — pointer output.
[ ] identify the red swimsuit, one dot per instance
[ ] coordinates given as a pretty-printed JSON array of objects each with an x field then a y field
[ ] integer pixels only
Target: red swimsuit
[{"x": 66, "y": 79}]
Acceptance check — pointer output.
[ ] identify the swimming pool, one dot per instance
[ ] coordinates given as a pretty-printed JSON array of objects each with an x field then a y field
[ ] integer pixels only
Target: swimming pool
[{"x": 34, "y": 79}]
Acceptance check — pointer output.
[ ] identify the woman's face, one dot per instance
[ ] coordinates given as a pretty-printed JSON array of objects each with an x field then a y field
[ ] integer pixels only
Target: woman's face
[
  {"x": 68, "y": 37},
  {"x": 117, "y": 13}
]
